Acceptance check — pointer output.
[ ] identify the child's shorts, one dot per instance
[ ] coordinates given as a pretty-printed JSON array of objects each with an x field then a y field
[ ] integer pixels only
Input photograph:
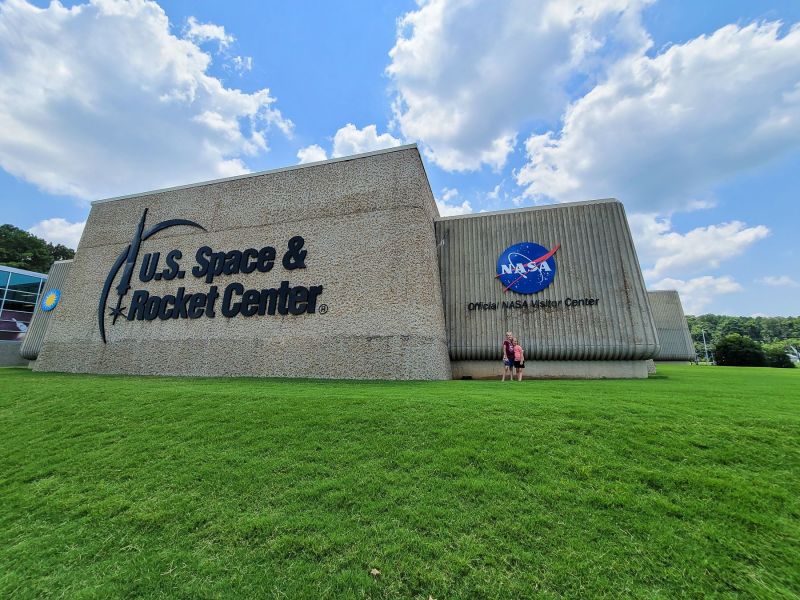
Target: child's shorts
[
  {"x": 507, "y": 362},
  {"x": 519, "y": 364}
]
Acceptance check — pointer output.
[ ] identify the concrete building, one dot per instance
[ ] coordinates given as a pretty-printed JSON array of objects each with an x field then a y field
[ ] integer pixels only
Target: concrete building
[
  {"x": 326, "y": 270},
  {"x": 344, "y": 269},
  {"x": 673, "y": 330},
  {"x": 591, "y": 319}
]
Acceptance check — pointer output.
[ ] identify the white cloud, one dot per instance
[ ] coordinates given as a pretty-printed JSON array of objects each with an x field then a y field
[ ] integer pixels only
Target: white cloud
[
  {"x": 351, "y": 140},
  {"x": 448, "y": 194},
  {"x": 661, "y": 132},
  {"x": 699, "y": 292},
  {"x": 207, "y": 32},
  {"x": 779, "y": 281},
  {"x": 468, "y": 74},
  {"x": 448, "y": 208},
  {"x": 59, "y": 231},
  {"x": 664, "y": 252},
  {"x": 101, "y": 99},
  {"x": 312, "y": 153},
  {"x": 242, "y": 64}
]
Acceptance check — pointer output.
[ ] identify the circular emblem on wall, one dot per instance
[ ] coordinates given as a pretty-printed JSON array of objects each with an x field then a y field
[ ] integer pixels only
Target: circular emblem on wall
[
  {"x": 50, "y": 300},
  {"x": 526, "y": 268}
]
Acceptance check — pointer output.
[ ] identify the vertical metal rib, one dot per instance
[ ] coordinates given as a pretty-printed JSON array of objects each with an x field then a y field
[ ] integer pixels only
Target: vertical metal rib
[
  {"x": 34, "y": 338},
  {"x": 597, "y": 259},
  {"x": 671, "y": 326}
]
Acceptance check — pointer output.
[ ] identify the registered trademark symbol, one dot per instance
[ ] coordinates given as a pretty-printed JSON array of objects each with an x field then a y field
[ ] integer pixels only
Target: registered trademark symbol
[{"x": 323, "y": 308}]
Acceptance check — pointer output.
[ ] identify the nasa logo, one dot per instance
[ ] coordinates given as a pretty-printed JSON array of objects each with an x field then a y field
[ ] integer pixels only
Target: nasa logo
[
  {"x": 50, "y": 300},
  {"x": 526, "y": 268}
]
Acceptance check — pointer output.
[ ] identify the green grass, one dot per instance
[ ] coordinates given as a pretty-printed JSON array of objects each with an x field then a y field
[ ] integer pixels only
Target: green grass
[{"x": 686, "y": 484}]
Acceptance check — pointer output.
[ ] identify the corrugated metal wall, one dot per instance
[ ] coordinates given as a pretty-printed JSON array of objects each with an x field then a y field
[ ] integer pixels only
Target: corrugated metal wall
[
  {"x": 673, "y": 331},
  {"x": 34, "y": 338},
  {"x": 597, "y": 259}
]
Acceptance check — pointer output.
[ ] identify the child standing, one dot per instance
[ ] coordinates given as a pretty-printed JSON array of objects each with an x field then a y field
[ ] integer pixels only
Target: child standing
[
  {"x": 519, "y": 359},
  {"x": 508, "y": 356}
]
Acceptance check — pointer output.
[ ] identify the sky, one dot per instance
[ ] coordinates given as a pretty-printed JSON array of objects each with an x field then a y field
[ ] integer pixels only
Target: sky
[{"x": 687, "y": 112}]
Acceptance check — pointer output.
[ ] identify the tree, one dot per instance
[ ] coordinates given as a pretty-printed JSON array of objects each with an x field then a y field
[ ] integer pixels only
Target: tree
[
  {"x": 22, "y": 250},
  {"x": 61, "y": 252},
  {"x": 778, "y": 358},
  {"x": 760, "y": 329},
  {"x": 778, "y": 353},
  {"x": 739, "y": 350}
]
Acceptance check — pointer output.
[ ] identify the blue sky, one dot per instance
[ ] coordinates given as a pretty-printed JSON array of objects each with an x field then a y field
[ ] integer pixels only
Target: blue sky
[{"x": 687, "y": 112}]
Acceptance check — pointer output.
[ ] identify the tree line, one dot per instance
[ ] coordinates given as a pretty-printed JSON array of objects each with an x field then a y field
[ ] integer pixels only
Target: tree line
[
  {"x": 746, "y": 341},
  {"x": 764, "y": 330}
]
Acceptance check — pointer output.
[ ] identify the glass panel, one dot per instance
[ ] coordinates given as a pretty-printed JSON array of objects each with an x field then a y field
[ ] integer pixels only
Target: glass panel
[
  {"x": 3, "y": 278},
  {"x": 14, "y": 324},
  {"x": 18, "y": 279},
  {"x": 25, "y": 306},
  {"x": 23, "y": 288},
  {"x": 21, "y": 296}
]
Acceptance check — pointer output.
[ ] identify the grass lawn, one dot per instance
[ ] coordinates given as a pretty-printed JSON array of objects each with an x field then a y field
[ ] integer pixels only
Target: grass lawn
[{"x": 686, "y": 484}]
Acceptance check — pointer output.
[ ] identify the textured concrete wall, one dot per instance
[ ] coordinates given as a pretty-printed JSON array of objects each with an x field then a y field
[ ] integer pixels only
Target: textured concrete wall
[
  {"x": 10, "y": 355},
  {"x": 596, "y": 260},
  {"x": 34, "y": 338},
  {"x": 368, "y": 227},
  {"x": 673, "y": 331}
]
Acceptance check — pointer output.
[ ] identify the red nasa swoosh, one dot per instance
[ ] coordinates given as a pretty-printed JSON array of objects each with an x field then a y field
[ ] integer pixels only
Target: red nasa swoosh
[{"x": 541, "y": 259}]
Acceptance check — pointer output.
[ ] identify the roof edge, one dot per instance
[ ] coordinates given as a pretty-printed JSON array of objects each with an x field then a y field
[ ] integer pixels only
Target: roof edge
[
  {"x": 18, "y": 271},
  {"x": 530, "y": 209},
  {"x": 259, "y": 173}
]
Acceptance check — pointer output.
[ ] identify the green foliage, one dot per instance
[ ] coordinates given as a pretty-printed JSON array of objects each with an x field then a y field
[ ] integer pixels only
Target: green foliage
[
  {"x": 760, "y": 329},
  {"x": 777, "y": 356},
  {"x": 683, "y": 485},
  {"x": 736, "y": 350},
  {"x": 22, "y": 250}
]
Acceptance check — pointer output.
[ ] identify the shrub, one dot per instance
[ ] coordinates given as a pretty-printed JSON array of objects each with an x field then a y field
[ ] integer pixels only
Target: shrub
[
  {"x": 739, "y": 350},
  {"x": 776, "y": 355}
]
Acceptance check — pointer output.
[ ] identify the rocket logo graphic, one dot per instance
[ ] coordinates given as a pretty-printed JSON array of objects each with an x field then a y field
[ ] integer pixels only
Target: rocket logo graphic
[
  {"x": 526, "y": 268},
  {"x": 128, "y": 258}
]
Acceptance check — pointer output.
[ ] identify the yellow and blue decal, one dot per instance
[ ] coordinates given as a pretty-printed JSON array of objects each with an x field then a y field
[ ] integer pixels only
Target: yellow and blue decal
[{"x": 50, "y": 300}]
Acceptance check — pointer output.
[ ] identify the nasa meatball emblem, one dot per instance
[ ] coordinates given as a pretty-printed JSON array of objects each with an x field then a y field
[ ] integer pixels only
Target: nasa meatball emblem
[{"x": 526, "y": 268}]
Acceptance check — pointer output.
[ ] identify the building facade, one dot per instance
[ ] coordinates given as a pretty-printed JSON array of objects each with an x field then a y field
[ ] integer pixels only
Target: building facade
[
  {"x": 314, "y": 271},
  {"x": 582, "y": 313},
  {"x": 673, "y": 330},
  {"x": 344, "y": 269},
  {"x": 20, "y": 291}
]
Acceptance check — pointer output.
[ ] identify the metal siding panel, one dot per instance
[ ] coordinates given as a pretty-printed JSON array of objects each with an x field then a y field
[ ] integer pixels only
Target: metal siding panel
[
  {"x": 34, "y": 338},
  {"x": 596, "y": 260},
  {"x": 671, "y": 326}
]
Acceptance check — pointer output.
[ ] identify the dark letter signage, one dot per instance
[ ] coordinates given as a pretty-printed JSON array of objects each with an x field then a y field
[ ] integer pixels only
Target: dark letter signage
[{"x": 236, "y": 299}]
